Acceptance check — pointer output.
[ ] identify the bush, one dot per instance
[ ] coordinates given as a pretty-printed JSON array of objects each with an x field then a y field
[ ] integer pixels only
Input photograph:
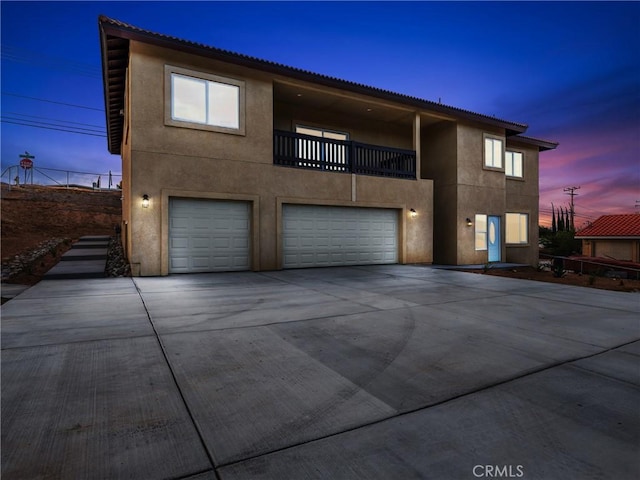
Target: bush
[{"x": 564, "y": 244}]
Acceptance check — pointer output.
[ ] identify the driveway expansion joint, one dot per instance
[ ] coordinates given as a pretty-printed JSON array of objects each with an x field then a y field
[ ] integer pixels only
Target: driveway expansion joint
[
  {"x": 176, "y": 383},
  {"x": 433, "y": 405}
]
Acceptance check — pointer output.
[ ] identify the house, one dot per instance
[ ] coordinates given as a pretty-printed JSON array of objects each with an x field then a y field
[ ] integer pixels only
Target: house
[
  {"x": 236, "y": 163},
  {"x": 613, "y": 237}
]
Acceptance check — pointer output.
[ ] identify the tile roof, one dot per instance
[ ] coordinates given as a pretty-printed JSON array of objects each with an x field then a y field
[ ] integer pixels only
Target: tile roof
[
  {"x": 125, "y": 30},
  {"x": 115, "y": 36},
  {"x": 625, "y": 225}
]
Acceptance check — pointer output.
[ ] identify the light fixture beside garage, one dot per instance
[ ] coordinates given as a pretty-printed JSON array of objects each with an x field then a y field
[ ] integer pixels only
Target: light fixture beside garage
[
  {"x": 469, "y": 222},
  {"x": 413, "y": 213},
  {"x": 145, "y": 201}
]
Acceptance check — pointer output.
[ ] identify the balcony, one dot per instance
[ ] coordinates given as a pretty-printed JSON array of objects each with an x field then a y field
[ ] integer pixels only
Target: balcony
[{"x": 342, "y": 156}]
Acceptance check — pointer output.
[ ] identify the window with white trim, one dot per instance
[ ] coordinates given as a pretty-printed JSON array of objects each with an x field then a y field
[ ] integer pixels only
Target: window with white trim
[
  {"x": 203, "y": 101},
  {"x": 481, "y": 231},
  {"x": 517, "y": 228},
  {"x": 513, "y": 164},
  {"x": 493, "y": 152},
  {"x": 325, "y": 155}
]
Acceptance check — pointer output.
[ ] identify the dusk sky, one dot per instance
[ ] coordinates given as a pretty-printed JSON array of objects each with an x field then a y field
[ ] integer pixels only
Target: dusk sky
[{"x": 571, "y": 71}]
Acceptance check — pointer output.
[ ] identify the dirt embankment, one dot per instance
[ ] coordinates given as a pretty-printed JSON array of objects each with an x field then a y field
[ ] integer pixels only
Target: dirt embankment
[{"x": 33, "y": 214}]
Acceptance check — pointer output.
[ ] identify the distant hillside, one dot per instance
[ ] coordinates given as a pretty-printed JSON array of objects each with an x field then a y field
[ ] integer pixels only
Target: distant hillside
[{"x": 32, "y": 214}]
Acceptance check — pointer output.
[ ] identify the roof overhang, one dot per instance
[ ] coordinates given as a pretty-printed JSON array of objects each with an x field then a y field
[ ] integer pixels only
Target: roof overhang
[
  {"x": 114, "y": 42},
  {"x": 115, "y": 59},
  {"x": 542, "y": 145}
]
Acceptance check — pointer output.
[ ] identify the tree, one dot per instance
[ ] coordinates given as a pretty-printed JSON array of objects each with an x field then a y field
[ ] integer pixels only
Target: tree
[
  {"x": 560, "y": 220},
  {"x": 567, "y": 222},
  {"x": 554, "y": 227}
]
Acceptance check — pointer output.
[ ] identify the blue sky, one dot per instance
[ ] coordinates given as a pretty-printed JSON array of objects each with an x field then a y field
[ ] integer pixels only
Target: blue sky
[{"x": 571, "y": 71}]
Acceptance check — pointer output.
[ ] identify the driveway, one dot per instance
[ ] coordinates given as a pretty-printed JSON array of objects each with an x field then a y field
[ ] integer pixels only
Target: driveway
[{"x": 361, "y": 372}]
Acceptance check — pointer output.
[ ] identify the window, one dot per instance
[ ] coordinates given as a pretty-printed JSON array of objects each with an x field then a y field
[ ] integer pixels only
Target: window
[
  {"x": 492, "y": 152},
  {"x": 324, "y": 155},
  {"x": 517, "y": 228},
  {"x": 204, "y": 101},
  {"x": 481, "y": 232},
  {"x": 513, "y": 164}
]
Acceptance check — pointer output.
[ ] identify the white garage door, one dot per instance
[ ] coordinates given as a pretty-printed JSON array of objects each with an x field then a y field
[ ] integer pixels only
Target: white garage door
[
  {"x": 320, "y": 236},
  {"x": 208, "y": 235}
]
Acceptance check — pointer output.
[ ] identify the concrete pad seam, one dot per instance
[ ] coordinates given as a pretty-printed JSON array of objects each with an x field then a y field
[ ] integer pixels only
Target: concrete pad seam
[
  {"x": 242, "y": 327},
  {"x": 615, "y": 309},
  {"x": 163, "y": 349},
  {"x": 609, "y": 377},
  {"x": 428, "y": 406},
  {"x": 195, "y": 474},
  {"x": 270, "y": 324},
  {"x": 441, "y": 281},
  {"x": 361, "y": 302},
  {"x": 534, "y": 294},
  {"x": 74, "y": 342},
  {"x": 524, "y": 329}
]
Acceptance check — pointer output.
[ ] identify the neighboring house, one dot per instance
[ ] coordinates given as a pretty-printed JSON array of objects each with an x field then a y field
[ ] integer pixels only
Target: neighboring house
[
  {"x": 236, "y": 163},
  {"x": 612, "y": 236}
]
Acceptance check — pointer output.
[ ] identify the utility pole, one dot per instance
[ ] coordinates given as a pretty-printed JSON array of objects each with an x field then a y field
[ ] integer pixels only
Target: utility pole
[{"x": 572, "y": 191}]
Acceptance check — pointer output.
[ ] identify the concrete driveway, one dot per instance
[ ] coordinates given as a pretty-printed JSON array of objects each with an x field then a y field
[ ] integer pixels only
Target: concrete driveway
[{"x": 364, "y": 372}]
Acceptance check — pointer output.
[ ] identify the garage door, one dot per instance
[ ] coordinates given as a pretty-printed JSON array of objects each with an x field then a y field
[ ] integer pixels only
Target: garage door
[
  {"x": 208, "y": 235},
  {"x": 320, "y": 236},
  {"x": 618, "y": 249}
]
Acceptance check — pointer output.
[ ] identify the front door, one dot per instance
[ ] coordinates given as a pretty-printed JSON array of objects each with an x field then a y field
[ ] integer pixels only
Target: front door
[{"x": 493, "y": 238}]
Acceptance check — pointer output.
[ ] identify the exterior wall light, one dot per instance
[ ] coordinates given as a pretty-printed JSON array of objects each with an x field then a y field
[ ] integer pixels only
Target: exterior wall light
[
  {"x": 469, "y": 222},
  {"x": 145, "y": 201},
  {"x": 413, "y": 213}
]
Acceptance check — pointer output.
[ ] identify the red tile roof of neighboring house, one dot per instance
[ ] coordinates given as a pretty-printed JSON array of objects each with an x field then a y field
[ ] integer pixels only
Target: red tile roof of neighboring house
[{"x": 627, "y": 225}]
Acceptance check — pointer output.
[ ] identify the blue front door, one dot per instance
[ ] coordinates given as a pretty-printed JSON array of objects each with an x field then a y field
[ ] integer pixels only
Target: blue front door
[{"x": 493, "y": 238}]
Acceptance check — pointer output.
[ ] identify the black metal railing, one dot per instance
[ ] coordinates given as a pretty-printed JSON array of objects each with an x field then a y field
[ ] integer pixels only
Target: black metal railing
[{"x": 306, "y": 151}]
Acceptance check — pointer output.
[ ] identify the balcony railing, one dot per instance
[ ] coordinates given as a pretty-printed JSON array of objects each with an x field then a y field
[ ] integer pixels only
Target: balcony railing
[{"x": 305, "y": 151}]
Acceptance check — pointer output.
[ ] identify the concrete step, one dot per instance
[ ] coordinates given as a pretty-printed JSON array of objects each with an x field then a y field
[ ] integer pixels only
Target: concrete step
[{"x": 87, "y": 258}]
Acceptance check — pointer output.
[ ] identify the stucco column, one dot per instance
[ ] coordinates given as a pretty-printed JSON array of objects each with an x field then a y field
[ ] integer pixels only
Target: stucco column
[{"x": 416, "y": 142}]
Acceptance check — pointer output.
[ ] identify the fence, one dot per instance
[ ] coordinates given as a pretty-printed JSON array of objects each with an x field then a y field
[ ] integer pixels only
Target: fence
[
  {"x": 613, "y": 269},
  {"x": 15, "y": 175}
]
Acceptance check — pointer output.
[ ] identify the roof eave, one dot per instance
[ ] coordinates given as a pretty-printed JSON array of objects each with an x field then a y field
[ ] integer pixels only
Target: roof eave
[
  {"x": 105, "y": 85},
  {"x": 114, "y": 28},
  {"x": 543, "y": 145}
]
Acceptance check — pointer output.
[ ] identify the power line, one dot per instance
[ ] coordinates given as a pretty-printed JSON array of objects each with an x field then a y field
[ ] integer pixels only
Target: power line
[
  {"x": 35, "y": 122},
  {"x": 52, "y": 128},
  {"x": 51, "y": 101},
  {"x": 53, "y": 119},
  {"x": 572, "y": 191},
  {"x": 37, "y": 59}
]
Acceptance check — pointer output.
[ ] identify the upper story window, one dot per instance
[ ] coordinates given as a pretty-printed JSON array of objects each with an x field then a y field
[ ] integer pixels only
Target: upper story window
[
  {"x": 517, "y": 228},
  {"x": 203, "y": 101},
  {"x": 325, "y": 155},
  {"x": 493, "y": 152},
  {"x": 513, "y": 164}
]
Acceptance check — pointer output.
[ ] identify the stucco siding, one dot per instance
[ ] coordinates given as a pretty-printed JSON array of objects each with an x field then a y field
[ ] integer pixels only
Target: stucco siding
[
  {"x": 152, "y": 135},
  {"x": 439, "y": 161},
  {"x": 470, "y": 148},
  {"x": 163, "y": 160},
  {"x": 267, "y": 187},
  {"x": 522, "y": 196}
]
